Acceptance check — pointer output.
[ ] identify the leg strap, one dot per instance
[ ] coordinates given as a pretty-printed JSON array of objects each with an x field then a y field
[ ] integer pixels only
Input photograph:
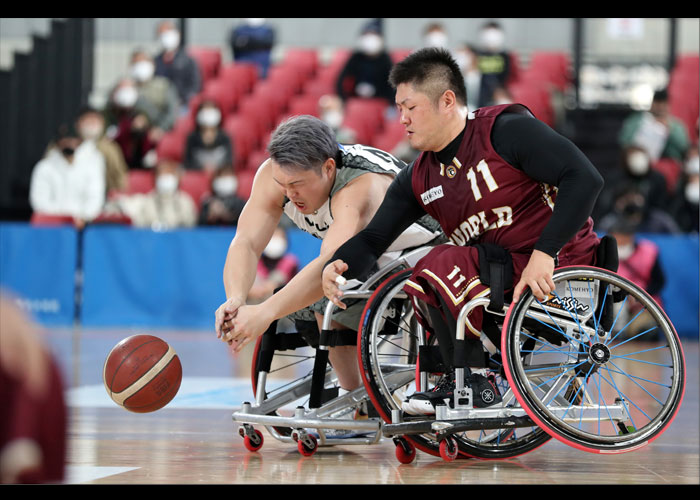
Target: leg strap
[{"x": 496, "y": 272}]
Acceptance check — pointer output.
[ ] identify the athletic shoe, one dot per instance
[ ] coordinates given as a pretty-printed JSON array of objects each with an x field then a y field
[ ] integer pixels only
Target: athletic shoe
[{"x": 484, "y": 391}]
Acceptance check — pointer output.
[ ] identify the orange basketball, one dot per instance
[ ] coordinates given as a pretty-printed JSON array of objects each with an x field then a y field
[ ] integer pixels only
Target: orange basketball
[{"x": 142, "y": 373}]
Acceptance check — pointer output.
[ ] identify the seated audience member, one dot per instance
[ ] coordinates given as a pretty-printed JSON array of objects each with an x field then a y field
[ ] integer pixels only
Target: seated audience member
[
  {"x": 252, "y": 42},
  {"x": 630, "y": 205},
  {"x": 656, "y": 131},
  {"x": 494, "y": 61},
  {"x": 166, "y": 206},
  {"x": 332, "y": 111},
  {"x": 176, "y": 65},
  {"x": 467, "y": 58},
  {"x": 157, "y": 96},
  {"x": 366, "y": 73},
  {"x": 130, "y": 126},
  {"x": 275, "y": 268},
  {"x": 208, "y": 147},
  {"x": 223, "y": 206},
  {"x": 91, "y": 127},
  {"x": 70, "y": 179},
  {"x": 684, "y": 206}
]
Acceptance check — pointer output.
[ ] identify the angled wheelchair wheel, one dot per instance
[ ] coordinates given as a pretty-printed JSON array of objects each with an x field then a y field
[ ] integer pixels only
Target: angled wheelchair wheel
[
  {"x": 390, "y": 339},
  {"x": 597, "y": 365}
]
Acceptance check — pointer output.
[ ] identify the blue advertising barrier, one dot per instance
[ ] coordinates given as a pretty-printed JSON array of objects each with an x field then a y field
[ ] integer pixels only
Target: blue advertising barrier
[
  {"x": 38, "y": 267},
  {"x": 141, "y": 278}
]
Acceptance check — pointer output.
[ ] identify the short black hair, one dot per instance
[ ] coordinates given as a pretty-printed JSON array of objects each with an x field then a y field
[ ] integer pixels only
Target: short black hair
[{"x": 433, "y": 70}]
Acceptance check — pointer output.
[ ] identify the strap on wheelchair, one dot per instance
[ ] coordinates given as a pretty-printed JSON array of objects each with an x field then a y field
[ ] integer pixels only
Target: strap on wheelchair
[
  {"x": 496, "y": 272},
  {"x": 328, "y": 338}
]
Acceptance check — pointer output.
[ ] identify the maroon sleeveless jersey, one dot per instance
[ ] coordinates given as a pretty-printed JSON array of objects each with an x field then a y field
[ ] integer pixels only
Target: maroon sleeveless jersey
[{"x": 479, "y": 197}]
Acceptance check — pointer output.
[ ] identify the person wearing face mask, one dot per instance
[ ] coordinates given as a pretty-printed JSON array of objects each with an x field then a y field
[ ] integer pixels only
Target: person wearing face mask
[
  {"x": 175, "y": 64},
  {"x": 366, "y": 73},
  {"x": 275, "y": 268},
  {"x": 157, "y": 96},
  {"x": 467, "y": 58},
  {"x": 208, "y": 147},
  {"x": 166, "y": 206},
  {"x": 252, "y": 42},
  {"x": 493, "y": 61},
  {"x": 434, "y": 35},
  {"x": 91, "y": 127},
  {"x": 223, "y": 206},
  {"x": 657, "y": 131},
  {"x": 70, "y": 179}
]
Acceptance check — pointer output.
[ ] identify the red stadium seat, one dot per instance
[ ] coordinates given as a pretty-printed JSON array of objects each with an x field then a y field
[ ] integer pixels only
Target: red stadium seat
[
  {"x": 304, "y": 105},
  {"x": 208, "y": 59},
  {"x": 43, "y": 219},
  {"x": 196, "y": 183},
  {"x": 240, "y": 74},
  {"x": 171, "y": 146},
  {"x": 398, "y": 55},
  {"x": 536, "y": 97},
  {"x": 244, "y": 138},
  {"x": 256, "y": 159},
  {"x": 551, "y": 67},
  {"x": 224, "y": 93},
  {"x": 140, "y": 181}
]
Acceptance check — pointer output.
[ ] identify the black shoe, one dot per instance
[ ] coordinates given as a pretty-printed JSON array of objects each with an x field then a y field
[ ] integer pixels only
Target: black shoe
[{"x": 484, "y": 391}]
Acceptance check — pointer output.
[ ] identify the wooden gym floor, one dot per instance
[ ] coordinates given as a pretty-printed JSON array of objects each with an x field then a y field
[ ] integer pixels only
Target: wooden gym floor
[{"x": 195, "y": 441}]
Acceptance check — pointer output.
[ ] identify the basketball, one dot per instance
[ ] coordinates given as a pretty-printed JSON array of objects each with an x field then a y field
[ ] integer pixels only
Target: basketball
[{"x": 142, "y": 373}]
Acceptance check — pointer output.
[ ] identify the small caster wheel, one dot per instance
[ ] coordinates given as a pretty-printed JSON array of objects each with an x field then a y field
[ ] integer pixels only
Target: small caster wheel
[
  {"x": 405, "y": 451},
  {"x": 308, "y": 446},
  {"x": 254, "y": 441},
  {"x": 448, "y": 449}
]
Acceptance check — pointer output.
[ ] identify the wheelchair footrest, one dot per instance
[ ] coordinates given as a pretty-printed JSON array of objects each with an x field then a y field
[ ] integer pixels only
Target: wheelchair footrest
[{"x": 442, "y": 427}]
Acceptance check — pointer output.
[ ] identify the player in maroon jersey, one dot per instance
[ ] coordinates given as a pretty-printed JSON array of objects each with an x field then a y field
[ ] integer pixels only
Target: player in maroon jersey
[{"x": 495, "y": 176}]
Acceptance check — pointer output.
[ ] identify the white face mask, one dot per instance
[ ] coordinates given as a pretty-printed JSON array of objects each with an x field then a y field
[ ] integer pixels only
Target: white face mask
[
  {"x": 435, "y": 39},
  {"x": 166, "y": 183},
  {"x": 371, "y": 44},
  {"x": 692, "y": 192},
  {"x": 492, "y": 39},
  {"x": 142, "y": 71},
  {"x": 170, "y": 39},
  {"x": 692, "y": 165},
  {"x": 209, "y": 117},
  {"x": 225, "y": 185},
  {"x": 275, "y": 248},
  {"x": 625, "y": 251},
  {"x": 638, "y": 163},
  {"x": 125, "y": 97},
  {"x": 334, "y": 119},
  {"x": 464, "y": 60}
]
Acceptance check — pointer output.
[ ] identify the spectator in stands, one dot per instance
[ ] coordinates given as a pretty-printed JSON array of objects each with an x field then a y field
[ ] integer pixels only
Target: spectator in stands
[
  {"x": 275, "y": 268},
  {"x": 252, "y": 42},
  {"x": 166, "y": 207},
  {"x": 657, "y": 131},
  {"x": 176, "y": 65},
  {"x": 70, "y": 179},
  {"x": 684, "y": 206},
  {"x": 467, "y": 58},
  {"x": 332, "y": 111},
  {"x": 208, "y": 147},
  {"x": 223, "y": 206},
  {"x": 639, "y": 262},
  {"x": 494, "y": 61},
  {"x": 91, "y": 127},
  {"x": 157, "y": 96},
  {"x": 435, "y": 35},
  {"x": 635, "y": 172},
  {"x": 366, "y": 73},
  {"x": 129, "y": 126},
  {"x": 632, "y": 207}
]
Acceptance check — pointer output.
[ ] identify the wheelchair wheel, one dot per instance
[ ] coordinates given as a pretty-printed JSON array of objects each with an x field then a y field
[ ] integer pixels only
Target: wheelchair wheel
[
  {"x": 388, "y": 350},
  {"x": 598, "y": 365}
]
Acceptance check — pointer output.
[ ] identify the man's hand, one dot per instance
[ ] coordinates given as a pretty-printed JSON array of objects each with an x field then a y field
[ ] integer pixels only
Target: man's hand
[
  {"x": 250, "y": 322},
  {"x": 537, "y": 275},
  {"x": 332, "y": 274},
  {"x": 224, "y": 316}
]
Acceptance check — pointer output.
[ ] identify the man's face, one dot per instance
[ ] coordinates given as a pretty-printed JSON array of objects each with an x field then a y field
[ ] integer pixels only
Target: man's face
[
  {"x": 307, "y": 189},
  {"x": 420, "y": 116}
]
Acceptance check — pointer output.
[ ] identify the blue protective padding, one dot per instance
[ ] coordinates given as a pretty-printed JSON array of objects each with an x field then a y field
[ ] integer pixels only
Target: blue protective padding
[{"x": 37, "y": 266}]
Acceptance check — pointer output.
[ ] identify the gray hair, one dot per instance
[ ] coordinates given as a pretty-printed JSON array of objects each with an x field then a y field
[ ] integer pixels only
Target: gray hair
[{"x": 303, "y": 142}]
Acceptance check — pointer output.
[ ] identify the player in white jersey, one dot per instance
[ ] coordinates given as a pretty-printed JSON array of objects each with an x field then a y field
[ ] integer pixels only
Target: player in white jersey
[{"x": 327, "y": 189}]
